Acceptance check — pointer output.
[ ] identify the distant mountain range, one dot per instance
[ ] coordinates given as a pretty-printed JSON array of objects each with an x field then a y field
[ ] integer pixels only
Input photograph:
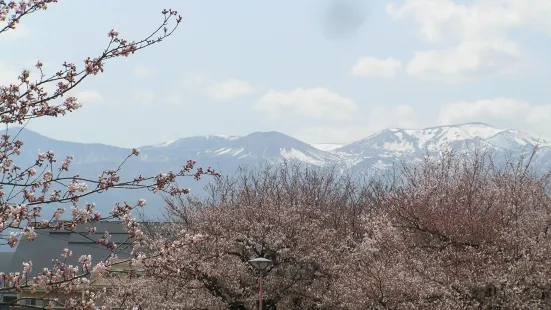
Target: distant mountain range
[{"x": 227, "y": 153}]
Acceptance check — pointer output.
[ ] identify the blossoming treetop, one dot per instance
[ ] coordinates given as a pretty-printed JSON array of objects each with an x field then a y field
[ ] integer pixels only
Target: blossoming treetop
[{"x": 26, "y": 191}]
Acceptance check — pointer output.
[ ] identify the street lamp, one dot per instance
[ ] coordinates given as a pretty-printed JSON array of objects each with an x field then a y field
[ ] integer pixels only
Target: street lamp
[{"x": 260, "y": 264}]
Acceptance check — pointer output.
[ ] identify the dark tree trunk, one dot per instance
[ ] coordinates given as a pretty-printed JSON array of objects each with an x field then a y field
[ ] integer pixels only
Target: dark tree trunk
[{"x": 269, "y": 305}]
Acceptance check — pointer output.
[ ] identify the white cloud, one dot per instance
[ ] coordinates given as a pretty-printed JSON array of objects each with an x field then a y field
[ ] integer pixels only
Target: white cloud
[
  {"x": 174, "y": 99},
  {"x": 89, "y": 96},
  {"x": 10, "y": 71},
  {"x": 468, "y": 60},
  {"x": 141, "y": 72},
  {"x": 7, "y": 74},
  {"x": 403, "y": 116},
  {"x": 197, "y": 81},
  {"x": 144, "y": 97},
  {"x": 378, "y": 118},
  {"x": 445, "y": 21},
  {"x": 21, "y": 31},
  {"x": 500, "y": 113},
  {"x": 229, "y": 90},
  {"x": 311, "y": 102},
  {"x": 471, "y": 39},
  {"x": 371, "y": 66}
]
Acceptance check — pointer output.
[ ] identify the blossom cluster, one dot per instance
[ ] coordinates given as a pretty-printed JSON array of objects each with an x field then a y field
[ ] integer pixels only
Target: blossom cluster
[
  {"x": 26, "y": 191},
  {"x": 450, "y": 232},
  {"x": 18, "y": 10}
]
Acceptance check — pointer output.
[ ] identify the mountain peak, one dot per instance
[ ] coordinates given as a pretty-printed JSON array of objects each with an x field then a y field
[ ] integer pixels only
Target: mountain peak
[
  {"x": 205, "y": 140},
  {"x": 470, "y": 124},
  {"x": 268, "y": 134},
  {"x": 226, "y": 153},
  {"x": 271, "y": 140},
  {"x": 477, "y": 123},
  {"x": 396, "y": 141},
  {"x": 460, "y": 125}
]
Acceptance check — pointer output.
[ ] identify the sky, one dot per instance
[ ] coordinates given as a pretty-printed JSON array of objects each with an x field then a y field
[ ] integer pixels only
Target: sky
[{"x": 323, "y": 71}]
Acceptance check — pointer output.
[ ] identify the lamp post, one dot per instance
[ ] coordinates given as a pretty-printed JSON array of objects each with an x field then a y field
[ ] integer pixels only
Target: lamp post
[{"x": 260, "y": 264}]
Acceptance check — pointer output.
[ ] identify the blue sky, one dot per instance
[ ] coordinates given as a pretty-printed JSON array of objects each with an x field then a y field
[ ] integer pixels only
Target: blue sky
[{"x": 320, "y": 70}]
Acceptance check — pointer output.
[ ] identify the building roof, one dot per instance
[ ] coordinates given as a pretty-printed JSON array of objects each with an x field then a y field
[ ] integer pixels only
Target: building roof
[
  {"x": 48, "y": 245},
  {"x": 6, "y": 260}
]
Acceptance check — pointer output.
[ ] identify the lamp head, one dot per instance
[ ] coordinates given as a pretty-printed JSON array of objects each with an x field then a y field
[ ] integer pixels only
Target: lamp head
[{"x": 260, "y": 263}]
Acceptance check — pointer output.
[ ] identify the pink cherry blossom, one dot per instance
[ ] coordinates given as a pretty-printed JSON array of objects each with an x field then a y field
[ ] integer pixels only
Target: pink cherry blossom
[
  {"x": 26, "y": 99},
  {"x": 451, "y": 232}
]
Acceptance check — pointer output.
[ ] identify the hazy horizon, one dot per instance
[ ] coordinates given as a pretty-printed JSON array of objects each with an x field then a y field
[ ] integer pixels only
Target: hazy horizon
[{"x": 14, "y": 129}]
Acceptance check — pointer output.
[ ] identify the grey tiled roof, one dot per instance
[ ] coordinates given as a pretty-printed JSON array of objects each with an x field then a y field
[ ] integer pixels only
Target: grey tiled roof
[
  {"x": 49, "y": 245},
  {"x": 5, "y": 260}
]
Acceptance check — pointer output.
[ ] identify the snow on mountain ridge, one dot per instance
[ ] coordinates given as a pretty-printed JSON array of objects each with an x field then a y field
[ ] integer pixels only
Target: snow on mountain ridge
[
  {"x": 166, "y": 143},
  {"x": 205, "y": 138},
  {"x": 399, "y": 142},
  {"x": 379, "y": 149},
  {"x": 265, "y": 145},
  {"x": 310, "y": 158},
  {"x": 435, "y": 138},
  {"x": 274, "y": 144},
  {"x": 327, "y": 146}
]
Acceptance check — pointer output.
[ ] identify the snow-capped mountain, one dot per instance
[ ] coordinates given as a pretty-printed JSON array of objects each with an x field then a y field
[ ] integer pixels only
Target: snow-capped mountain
[
  {"x": 378, "y": 151},
  {"x": 230, "y": 151},
  {"x": 398, "y": 142},
  {"x": 253, "y": 147},
  {"x": 327, "y": 146},
  {"x": 384, "y": 148},
  {"x": 226, "y": 153}
]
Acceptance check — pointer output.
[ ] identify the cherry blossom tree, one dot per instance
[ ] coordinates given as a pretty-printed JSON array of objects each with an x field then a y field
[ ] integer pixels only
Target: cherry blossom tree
[
  {"x": 459, "y": 232},
  {"x": 456, "y": 231},
  {"x": 25, "y": 191},
  {"x": 303, "y": 219}
]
